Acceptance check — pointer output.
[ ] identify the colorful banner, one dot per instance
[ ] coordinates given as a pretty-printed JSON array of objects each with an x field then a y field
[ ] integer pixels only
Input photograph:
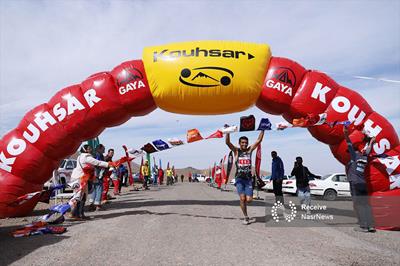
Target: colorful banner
[
  {"x": 247, "y": 123},
  {"x": 216, "y": 135},
  {"x": 160, "y": 145},
  {"x": 265, "y": 124},
  {"x": 258, "y": 160},
  {"x": 175, "y": 142},
  {"x": 193, "y": 135},
  {"x": 228, "y": 129},
  {"x": 229, "y": 166},
  {"x": 130, "y": 177},
  {"x": 149, "y": 148}
]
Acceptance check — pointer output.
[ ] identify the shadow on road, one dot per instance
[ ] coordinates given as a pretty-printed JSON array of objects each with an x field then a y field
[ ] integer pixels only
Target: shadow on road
[{"x": 12, "y": 249}]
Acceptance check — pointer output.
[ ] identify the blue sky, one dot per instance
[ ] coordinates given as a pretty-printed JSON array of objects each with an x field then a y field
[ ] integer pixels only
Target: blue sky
[{"x": 48, "y": 45}]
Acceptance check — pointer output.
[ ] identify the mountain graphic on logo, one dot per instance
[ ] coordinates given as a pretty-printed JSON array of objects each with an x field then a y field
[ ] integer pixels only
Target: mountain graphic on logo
[
  {"x": 202, "y": 75},
  {"x": 129, "y": 75},
  {"x": 284, "y": 77}
]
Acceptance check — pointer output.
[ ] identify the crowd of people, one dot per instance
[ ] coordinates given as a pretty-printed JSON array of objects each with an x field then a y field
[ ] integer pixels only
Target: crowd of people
[
  {"x": 95, "y": 171},
  {"x": 354, "y": 171}
]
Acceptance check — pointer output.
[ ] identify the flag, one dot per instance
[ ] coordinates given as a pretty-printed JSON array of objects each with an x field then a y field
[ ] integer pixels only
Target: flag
[
  {"x": 229, "y": 166},
  {"x": 282, "y": 125},
  {"x": 335, "y": 123},
  {"x": 193, "y": 135},
  {"x": 149, "y": 148},
  {"x": 213, "y": 171},
  {"x": 61, "y": 208},
  {"x": 136, "y": 153},
  {"x": 141, "y": 177},
  {"x": 216, "y": 135},
  {"x": 310, "y": 120},
  {"x": 228, "y": 129},
  {"x": 30, "y": 197},
  {"x": 129, "y": 166},
  {"x": 265, "y": 124},
  {"x": 247, "y": 123},
  {"x": 258, "y": 160},
  {"x": 160, "y": 145},
  {"x": 224, "y": 178},
  {"x": 175, "y": 142}
]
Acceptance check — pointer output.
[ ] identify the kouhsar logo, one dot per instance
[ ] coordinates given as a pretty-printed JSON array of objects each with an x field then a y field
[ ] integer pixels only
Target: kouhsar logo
[
  {"x": 206, "y": 77},
  {"x": 197, "y": 52}
]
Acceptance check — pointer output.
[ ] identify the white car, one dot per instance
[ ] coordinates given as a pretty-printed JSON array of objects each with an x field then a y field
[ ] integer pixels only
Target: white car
[
  {"x": 201, "y": 178},
  {"x": 331, "y": 186},
  {"x": 269, "y": 184},
  {"x": 64, "y": 172},
  {"x": 289, "y": 185}
]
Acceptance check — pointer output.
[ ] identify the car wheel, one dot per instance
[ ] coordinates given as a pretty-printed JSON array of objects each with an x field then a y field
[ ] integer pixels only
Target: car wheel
[{"x": 330, "y": 195}]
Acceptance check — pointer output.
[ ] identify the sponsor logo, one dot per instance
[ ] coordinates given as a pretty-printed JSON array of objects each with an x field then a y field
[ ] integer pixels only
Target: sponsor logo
[
  {"x": 282, "y": 80},
  {"x": 130, "y": 79},
  {"x": 198, "y": 52},
  {"x": 206, "y": 77}
]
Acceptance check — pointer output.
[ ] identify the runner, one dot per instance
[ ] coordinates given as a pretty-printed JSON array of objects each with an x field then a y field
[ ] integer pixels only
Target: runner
[{"x": 243, "y": 176}]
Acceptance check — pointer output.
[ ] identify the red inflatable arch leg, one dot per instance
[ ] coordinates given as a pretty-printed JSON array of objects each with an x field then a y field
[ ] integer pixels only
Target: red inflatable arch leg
[
  {"x": 294, "y": 92},
  {"x": 53, "y": 130}
]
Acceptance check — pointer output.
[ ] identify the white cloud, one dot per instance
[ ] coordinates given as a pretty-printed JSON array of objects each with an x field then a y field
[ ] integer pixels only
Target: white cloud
[{"x": 48, "y": 45}]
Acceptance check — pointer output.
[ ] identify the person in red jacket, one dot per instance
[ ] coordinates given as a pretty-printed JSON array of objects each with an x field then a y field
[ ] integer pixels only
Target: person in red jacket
[
  {"x": 106, "y": 179},
  {"x": 218, "y": 176}
]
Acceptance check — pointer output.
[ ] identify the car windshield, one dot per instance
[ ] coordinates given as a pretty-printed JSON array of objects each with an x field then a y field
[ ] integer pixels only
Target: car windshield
[
  {"x": 325, "y": 177},
  {"x": 62, "y": 164}
]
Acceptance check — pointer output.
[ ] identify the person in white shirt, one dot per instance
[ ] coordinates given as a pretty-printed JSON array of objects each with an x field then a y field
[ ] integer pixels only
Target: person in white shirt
[{"x": 80, "y": 176}]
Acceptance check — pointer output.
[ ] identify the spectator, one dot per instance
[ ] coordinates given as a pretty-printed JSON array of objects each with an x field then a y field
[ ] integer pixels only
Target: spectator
[
  {"x": 358, "y": 187},
  {"x": 160, "y": 176},
  {"x": 169, "y": 176},
  {"x": 115, "y": 180},
  {"x": 302, "y": 175},
  {"x": 99, "y": 172},
  {"x": 106, "y": 179},
  {"x": 182, "y": 177},
  {"x": 146, "y": 174},
  {"x": 277, "y": 174},
  {"x": 82, "y": 173}
]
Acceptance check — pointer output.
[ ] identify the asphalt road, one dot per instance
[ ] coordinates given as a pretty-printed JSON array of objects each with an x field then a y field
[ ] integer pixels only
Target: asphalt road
[{"x": 194, "y": 224}]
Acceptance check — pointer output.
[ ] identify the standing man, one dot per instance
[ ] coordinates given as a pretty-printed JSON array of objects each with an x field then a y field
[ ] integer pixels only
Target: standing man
[
  {"x": 106, "y": 179},
  {"x": 277, "y": 174},
  {"x": 358, "y": 186},
  {"x": 146, "y": 174},
  {"x": 99, "y": 172},
  {"x": 243, "y": 176},
  {"x": 302, "y": 175}
]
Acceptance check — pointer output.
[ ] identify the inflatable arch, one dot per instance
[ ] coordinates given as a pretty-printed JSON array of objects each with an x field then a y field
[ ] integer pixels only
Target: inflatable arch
[{"x": 201, "y": 77}]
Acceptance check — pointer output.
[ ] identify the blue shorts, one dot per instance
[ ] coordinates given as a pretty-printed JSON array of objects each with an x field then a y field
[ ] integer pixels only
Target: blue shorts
[{"x": 244, "y": 186}]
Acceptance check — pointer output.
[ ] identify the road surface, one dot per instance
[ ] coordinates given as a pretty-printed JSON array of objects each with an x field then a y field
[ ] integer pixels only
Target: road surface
[{"x": 194, "y": 224}]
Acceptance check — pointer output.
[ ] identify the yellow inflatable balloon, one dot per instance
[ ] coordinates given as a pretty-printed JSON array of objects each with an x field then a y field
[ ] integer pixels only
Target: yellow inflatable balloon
[{"x": 206, "y": 77}]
